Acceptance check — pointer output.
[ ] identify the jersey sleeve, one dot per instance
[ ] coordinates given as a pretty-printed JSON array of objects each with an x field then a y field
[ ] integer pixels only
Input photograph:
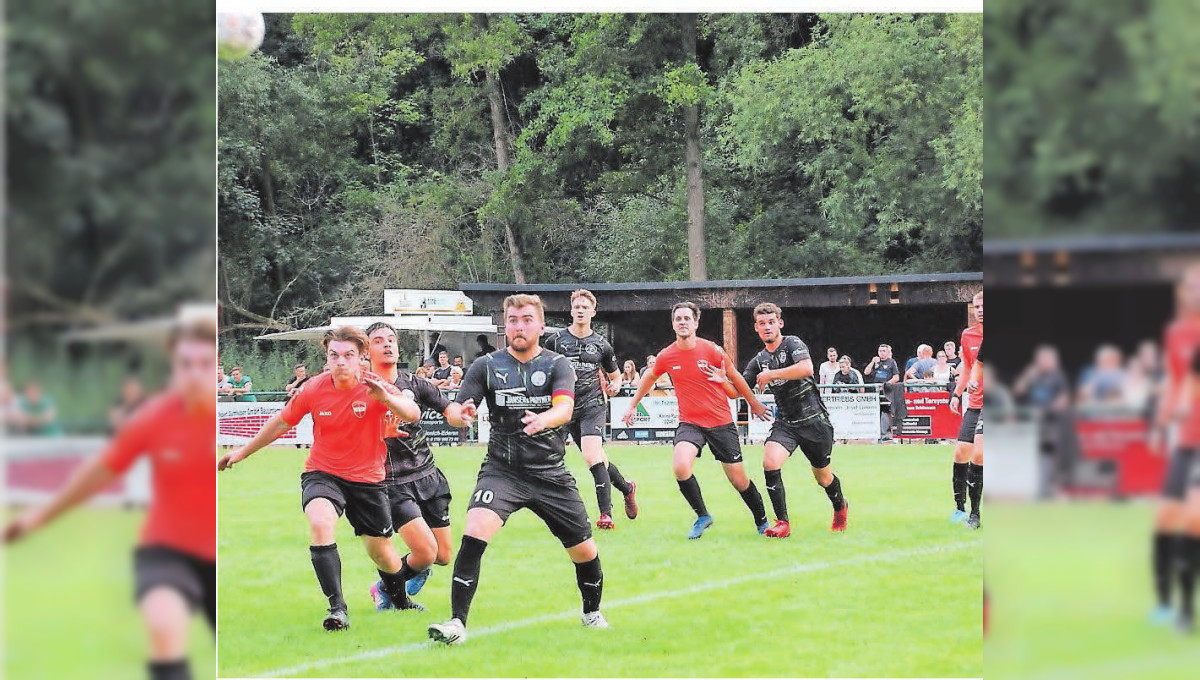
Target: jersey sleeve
[
  {"x": 608, "y": 359},
  {"x": 562, "y": 377},
  {"x": 979, "y": 353},
  {"x": 550, "y": 342},
  {"x": 129, "y": 443},
  {"x": 429, "y": 396},
  {"x": 300, "y": 404},
  {"x": 750, "y": 373},
  {"x": 474, "y": 383},
  {"x": 797, "y": 349}
]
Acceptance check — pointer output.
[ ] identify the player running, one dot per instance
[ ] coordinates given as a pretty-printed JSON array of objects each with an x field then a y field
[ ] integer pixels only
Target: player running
[
  {"x": 968, "y": 460},
  {"x": 1177, "y": 521},
  {"x": 530, "y": 396},
  {"x": 590, "y": 354},
  {"x": 704, "y": 379},
  {"x": 785, "y": 366},
  {"x": 344, "y": 471},
  {"x": 175, "y": 561},
  {"x": 418, "y": 493}
]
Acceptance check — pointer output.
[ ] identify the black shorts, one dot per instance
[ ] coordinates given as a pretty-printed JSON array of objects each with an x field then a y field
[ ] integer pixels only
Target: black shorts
[
  {"x": 364, "y": 503},
  {"x": 1182, "y": 472},
  {"x": 427, "y": 497},
  {"x": 588, "y": 421},
  {"x": 814, "y": 437},
  {"x": 192, "y": 577},
  {"x": 551, "y": 495},
  {"x": 970, "y": 423},
  {"x": 724, "y": 440}
]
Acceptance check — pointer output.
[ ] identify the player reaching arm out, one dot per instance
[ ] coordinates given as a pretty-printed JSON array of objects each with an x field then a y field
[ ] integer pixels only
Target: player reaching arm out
[{"x": 648, "y": 379}]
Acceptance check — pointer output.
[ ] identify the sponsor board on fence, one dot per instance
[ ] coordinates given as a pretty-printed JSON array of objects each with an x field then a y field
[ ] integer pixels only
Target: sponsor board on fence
[
  {"x": 929, "y": 414},
  {"x": 239, "y": 421},
  {"x": 853, "y": 414},
  {"x": 656, "y": 419}
]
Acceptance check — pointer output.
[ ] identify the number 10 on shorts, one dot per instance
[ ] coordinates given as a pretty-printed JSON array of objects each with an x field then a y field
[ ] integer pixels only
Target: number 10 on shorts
[{"x": 483, "y": 496}]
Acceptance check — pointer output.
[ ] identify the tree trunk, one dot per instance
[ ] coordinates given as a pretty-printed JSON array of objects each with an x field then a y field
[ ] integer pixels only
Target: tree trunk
[
  {"x": 697, "y": 266},
  {"x": 500, "y": 135}
]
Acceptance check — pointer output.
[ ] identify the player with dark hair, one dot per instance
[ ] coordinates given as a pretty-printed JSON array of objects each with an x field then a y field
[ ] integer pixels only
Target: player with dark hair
[
  {"x": 344, "y": 471},
  {"x": 590, "y": 354},
  {"x": 968, "y": 461},
  {"x": 530, "y": 396},
  {"x": 705, "y": 379},
  {"x": 418, "y": 492},
  {"x": 801, "y": 420},
  {"x": 175, "y": 561}
]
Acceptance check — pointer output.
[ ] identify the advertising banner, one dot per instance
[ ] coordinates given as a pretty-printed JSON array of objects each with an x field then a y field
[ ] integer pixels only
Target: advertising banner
[
  {"x": 239, "y": 421},
  {"x": 929, "y": 415}
]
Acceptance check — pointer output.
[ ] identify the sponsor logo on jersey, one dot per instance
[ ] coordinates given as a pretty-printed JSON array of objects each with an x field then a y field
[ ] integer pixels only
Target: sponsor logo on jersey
[
  {"x": 538, "y": 378},
  {"x": 702, "y": 364},
  {"x": 360, "y": 408},
  {"x": 516, "y": 398},
  {"x": 502, "y": 376},
  {"x": 325, "y": 413}
]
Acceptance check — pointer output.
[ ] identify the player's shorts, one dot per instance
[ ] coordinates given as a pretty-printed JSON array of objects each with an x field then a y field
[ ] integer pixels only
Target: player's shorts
[
  {"x": 364, "y": 503},
  {"x": 588, "y": 421},
  {"x": 814, "y": 437},
  {"x": 979, "y": 426},
  {"x": 724, "y": 440},
  {"x": 551, "y": 495},
  {"x": 1182, "y": 472},
  {"x": 427, "y": 497},
  {"x": 970, "y": 423},
  {"x": 196, "y": 579}
]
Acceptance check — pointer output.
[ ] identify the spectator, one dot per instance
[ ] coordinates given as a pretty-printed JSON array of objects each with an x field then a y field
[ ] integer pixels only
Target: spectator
[
  {"x": 441, "y": 374},
  {"x": 455, "y": 379},
  {"x": 952, "y": 357},
  {"x": 458, "y": 361},
  {"x": 224, "y": 389},
  {"x": 943, "y": 372},
  {"x": 1104, "y": 382},
  {"x": 846, "y": 374},
  {"x": 241, "y": 385},
  {"x": 883, "y": 371},
  {"x": 299, "y": 377},
  {"x": 485, "y": 347},
  {"x": 1043, "y": 384},
  {"x": 830, "y": 367},
  {"x": 664, "y": 381},
  {"x": 132, "y": 396},
  {"x": 436, "y": 351},
  {"x": 36, "y": 412},
  {"x": 922, "y": 366},
  {"x": 629, "y": 374}
]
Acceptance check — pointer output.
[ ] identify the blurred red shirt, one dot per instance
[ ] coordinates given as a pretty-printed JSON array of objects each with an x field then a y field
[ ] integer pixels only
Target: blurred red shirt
[
  {"x": 1180, "y": 342},
  {"x": 972, "y": 338}
]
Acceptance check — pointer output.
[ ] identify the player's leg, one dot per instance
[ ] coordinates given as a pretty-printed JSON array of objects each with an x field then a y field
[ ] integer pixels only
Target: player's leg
[
  {"x": 369, "y": 511},
  {"x": 167, "y": 616},
  {"x": 592, "y": 447},
  {"x": 688, "y": 442},
  {"x": 726, "y": 446},
  {"x": 1189, "y": 557},
  {"x": 1168, "y": 535},
  {"x": 560, "y": 506},
  {"x": 816, "y": 442},
  {"x": 775, "y": 454},
  {"x": 433, "y": 497},
  {"x": 323, "y": 502},
  {"x": 975, "y": 477},
  {"x": 962, "y": 462}
]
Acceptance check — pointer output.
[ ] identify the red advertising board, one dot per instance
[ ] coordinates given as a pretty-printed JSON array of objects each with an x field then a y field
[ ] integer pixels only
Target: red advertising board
[
  {"x": 1122, "y": 440},
  {"x": 929, "y": 415}
]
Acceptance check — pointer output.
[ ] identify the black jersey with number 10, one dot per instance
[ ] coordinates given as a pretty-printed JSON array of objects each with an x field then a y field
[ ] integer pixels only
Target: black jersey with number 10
[{"x": 511, "y": 388}]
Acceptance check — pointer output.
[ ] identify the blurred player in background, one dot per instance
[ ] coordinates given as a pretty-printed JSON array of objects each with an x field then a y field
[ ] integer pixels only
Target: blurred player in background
[
  {"x": 418, "y": 492},
  {"x": 344, "y": 471},
  {"x": 175, "y": 561},
  {"x": 801, "y": 420},
  {"x": 704, "y": 379},
  {"x": 1176, "y": 526},
  {"x": 591, "y": 354},
  {"x": 968, "y": 460}
]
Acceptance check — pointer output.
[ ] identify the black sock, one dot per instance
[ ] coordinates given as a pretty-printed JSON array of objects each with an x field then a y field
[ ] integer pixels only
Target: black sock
[
  {"x": 777, "y": 493},
  {"x": 690, "y": 488},
  {"x": 170, "y": 670},
  {"x": 1163, "y": 558},
  {"x": 753, "y": 500},
  {"x": 1189, "y": 553},
  {"x": 834, "y": 491},
  {"x": 328, "y": 565},
  {"x": 591, "y": 584},
  {"x": 393, "y": 584},
  {"x": 960, "y": 486},
  {"x": 975, "y": 484},
  {"x": 618, "y": 480},
  {"x": 466, "y": 576},
  {"x": 603, "y": 488}
]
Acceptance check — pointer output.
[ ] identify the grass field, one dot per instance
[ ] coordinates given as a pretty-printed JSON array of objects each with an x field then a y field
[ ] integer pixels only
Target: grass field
[
  {"x": 1071, "y": 595},
  {"x": 897, "y": 595},
  {"x": 68, "y": 602}
]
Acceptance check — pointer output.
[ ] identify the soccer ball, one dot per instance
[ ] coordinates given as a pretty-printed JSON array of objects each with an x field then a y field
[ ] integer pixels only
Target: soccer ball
[{"x": 239, "y": 34}]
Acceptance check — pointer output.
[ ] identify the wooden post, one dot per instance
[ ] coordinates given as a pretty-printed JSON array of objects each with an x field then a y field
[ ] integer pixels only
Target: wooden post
[{"x": 729, "y": 333}]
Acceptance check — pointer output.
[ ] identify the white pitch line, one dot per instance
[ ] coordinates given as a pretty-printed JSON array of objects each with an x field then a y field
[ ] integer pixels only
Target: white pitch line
[
  {"x": 1118, "y": 668},
  {"x": 639, "y": 599}
]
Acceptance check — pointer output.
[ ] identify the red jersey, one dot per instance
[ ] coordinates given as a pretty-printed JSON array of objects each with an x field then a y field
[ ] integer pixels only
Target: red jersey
[
  {"x": 1180, "y": 343},
  {"x": 348, "y": 428},
  {"x": 182, "y": 446},
  {"x": 968, "y": 346},
  {"x": 701, "y": 401}
]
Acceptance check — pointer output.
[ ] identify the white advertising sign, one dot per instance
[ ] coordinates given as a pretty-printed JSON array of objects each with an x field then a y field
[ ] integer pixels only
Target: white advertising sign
[{"x": 239, "y": 421}]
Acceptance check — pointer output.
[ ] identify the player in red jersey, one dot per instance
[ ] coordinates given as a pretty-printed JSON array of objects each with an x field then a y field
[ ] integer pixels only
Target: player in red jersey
[
  {"x": 968, "y": 459},
  {"x": 1177, "y": 521},
  {"x": 175, "y": 561},
  {"x": 705, "y": 379},
  {"x": 345, "y": 468}
]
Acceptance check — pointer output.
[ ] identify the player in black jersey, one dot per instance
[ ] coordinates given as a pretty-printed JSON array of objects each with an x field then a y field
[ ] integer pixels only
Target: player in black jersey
[
  {"x": 801, "y": 420},
  {"x": 530, "y": 394},
  {"x": 418, "y": 493},
  {"x": 590, "y": 354}
]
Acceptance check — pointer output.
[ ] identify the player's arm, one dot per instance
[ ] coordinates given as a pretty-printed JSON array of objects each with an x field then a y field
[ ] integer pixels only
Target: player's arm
[
  {"x": 612, "y": 371},
  {"x": 562, "y": 400},
  {"x": 960, "y": 386},
  {"x": 88, "y": 479},
  {"x": 399, "y": 404},
  {"x": 470, "y": 391},
  {"x": 273, "y": 429},
  {"x": 644, "y": 387},
  {"x": 742, "y": 387}
]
